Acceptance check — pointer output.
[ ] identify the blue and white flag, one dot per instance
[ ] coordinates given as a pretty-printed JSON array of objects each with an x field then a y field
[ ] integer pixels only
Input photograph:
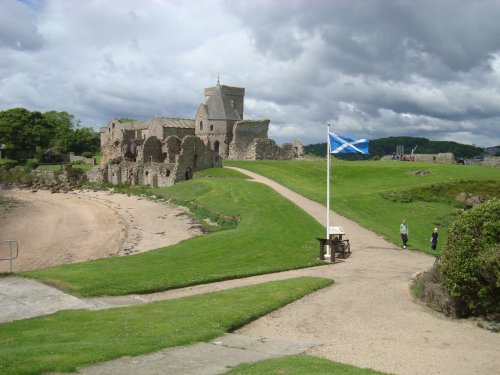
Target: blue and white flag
[{"x": 340, "y": 144}]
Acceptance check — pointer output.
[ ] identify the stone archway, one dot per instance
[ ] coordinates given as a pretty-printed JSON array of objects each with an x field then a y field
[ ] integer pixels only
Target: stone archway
[
  {"x": 189, "y": 173},
  {"x": 152, "y": 152}
]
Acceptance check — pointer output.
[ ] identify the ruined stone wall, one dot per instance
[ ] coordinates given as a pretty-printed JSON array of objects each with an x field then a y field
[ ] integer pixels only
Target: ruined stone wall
[
  {"x": 265, "y": 149},
  {"x": 298, "y": 148},
  {"x": 445, "y": 158},
  {"x": 182, "y": 158},
  {"x": 491, "y": 161},
  {"x": 73, "y": 157},
  {"x": 133, "y": 173},
  {"x": 195, "y": 155},
  {"x": 245, "y": 133},
  {"x": 178, "y": 132}
]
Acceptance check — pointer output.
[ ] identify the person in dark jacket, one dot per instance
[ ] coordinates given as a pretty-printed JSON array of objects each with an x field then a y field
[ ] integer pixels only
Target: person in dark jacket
[{"x": 434, "y": 239}]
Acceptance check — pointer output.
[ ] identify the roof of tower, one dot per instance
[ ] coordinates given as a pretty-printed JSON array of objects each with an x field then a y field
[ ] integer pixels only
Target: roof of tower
[{"x": 219, "y": 107}]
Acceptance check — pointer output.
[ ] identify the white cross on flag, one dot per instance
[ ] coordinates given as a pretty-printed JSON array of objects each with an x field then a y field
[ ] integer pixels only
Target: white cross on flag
[{"x": 340, "y": 144}]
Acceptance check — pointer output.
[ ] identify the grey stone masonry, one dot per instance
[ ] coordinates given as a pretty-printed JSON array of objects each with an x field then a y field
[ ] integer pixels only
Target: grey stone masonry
[{"x": 162, "y": 151}]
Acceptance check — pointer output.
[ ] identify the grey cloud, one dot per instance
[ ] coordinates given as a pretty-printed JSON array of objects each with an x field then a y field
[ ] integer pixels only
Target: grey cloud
[
  {"x": 18, "y": 28},
  {"x": 372, "y": 68}
]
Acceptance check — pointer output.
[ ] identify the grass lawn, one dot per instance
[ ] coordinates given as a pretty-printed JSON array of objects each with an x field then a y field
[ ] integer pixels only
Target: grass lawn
[
  {"x": 298, "y": 365},
  {"x": 58, "y": 167},
  {"x": 357, "y": 190},
  {"x": 65, "y": 340},
  {"x": 272, "y": 235}
]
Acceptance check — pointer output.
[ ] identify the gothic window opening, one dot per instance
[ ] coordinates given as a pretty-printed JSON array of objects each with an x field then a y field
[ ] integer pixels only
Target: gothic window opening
[
  {"x": 201, "y": 125},
  {"x": 217, "y": 146},
  {"x": 211, "y": 127}
]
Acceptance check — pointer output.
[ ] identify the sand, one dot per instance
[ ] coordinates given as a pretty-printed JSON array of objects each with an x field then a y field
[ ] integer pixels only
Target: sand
[{"x": 82, "y": 225}]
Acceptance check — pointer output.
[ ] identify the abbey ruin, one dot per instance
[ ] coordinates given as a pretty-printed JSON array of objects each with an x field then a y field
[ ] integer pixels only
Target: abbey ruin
[{"x": 162, "y": 151}]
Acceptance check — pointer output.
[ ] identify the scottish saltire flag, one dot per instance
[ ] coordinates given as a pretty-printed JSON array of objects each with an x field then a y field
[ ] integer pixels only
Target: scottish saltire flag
[{"x": 340, "y": 144}]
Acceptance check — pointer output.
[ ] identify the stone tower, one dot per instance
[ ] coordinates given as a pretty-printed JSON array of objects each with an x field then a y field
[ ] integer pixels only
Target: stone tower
[{"x": 215, "y": 119}]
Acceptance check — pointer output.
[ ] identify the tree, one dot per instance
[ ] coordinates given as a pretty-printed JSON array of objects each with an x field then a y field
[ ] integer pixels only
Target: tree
[
  {"x": 82, "y": 139},
  {"x": 23, "y": 131},
  {"x": 63, "y": 124}
]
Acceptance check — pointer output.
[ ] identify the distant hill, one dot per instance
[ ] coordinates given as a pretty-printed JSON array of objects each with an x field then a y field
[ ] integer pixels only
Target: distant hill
[{"x": 386, "y": 146}]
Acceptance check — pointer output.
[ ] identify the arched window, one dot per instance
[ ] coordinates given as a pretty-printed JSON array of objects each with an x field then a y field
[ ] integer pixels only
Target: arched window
[
  {"x": 201, "y": 125},
  {"x": 216, "y": 146},
  {"x": 211, "y": 127}
]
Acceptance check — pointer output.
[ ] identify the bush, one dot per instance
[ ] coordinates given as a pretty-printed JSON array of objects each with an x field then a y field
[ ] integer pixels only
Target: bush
[
  {"x": 428, "y": 287},
  {"x": 471, "y": 261},
  {"x": 8, "y": 163},
  {"x": 87, "y": 154},
  {"x": 32, "y": 164},
  {"x": 16, "y": 175}
]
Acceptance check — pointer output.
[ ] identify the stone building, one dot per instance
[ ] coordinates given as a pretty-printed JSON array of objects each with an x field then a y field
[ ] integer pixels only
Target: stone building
[{"x": 162, "y": 151}]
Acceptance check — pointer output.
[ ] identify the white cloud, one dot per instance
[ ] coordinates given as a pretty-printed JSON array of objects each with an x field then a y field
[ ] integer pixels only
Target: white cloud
[{"x": 427, "y": 68}]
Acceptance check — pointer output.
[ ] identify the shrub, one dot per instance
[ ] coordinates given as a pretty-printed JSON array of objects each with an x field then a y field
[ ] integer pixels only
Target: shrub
[
  {"x": 32, "y": 164},
  {"x": 428, "y": 287},
  {"x": 87, "y": 154},
  {"x": 471, "y": 261},
  {"x": 8, "y": 163},
  {"x": 16, "y": 175}
]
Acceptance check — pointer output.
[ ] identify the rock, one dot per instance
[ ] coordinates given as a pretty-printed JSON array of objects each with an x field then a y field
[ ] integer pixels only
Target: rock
[
  {"x": 493, "y": 327},
  {"x": 462, "y": 197},
  {"x": 472, "y": 201}
]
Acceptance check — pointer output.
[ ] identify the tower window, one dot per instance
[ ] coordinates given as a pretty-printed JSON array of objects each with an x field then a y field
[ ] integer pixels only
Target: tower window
[
  {"x": 201, "y": 125},
  {"x": 211, "y": 127}
]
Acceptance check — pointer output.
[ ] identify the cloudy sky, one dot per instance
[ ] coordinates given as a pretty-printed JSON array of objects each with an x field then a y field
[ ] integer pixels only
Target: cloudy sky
[{"x": 427, "y": 68}]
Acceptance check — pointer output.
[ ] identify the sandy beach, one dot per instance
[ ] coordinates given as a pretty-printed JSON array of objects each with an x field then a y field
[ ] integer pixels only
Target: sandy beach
[{"x": 82, "y": 225}]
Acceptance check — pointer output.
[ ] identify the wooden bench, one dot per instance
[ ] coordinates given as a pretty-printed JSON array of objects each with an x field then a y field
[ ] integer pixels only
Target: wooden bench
[
  {"x": 337, "y": 244},
  {"x": 341, "y": 247}
]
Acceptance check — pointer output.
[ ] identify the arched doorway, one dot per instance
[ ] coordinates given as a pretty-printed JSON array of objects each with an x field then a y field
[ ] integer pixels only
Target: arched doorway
[
  {"x": 152, "y": 150},
  {"x": 189, "y": 174}
]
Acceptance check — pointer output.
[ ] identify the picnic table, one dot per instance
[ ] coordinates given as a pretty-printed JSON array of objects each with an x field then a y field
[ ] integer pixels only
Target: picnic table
[{"x": 337, "y": 243}]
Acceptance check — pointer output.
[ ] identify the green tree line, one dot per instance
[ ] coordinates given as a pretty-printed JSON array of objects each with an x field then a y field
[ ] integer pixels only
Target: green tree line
[
  {"x": 25, "y": 134},
  {"x": 386, "y": 146}
]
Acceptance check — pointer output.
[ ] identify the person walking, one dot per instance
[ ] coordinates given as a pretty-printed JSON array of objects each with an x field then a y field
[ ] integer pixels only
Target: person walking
[
  {"x": 434, "y": 239},
  {"x": 403, "y": 231}
]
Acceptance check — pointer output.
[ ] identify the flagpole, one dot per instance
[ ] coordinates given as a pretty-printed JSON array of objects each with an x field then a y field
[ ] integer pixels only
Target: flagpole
[{"x": 328, "y": 187}]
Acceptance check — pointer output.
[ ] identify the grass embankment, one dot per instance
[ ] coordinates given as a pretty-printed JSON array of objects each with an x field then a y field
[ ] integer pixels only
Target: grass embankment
[
  {"x": 65, "y": 340},
  {"x": 272, "y": 235},
  {"x": 365, "y": 192},
  {"x": 298, "y": 365}
]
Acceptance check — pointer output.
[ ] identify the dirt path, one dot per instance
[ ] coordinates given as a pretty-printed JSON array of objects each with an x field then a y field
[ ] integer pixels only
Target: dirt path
[{"x": 54, "y": 229}]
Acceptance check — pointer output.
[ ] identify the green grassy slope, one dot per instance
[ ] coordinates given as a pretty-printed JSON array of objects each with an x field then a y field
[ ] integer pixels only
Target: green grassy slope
[
  {"x": 357, "y": 190},
  {"x": 272, "y": 235}
]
